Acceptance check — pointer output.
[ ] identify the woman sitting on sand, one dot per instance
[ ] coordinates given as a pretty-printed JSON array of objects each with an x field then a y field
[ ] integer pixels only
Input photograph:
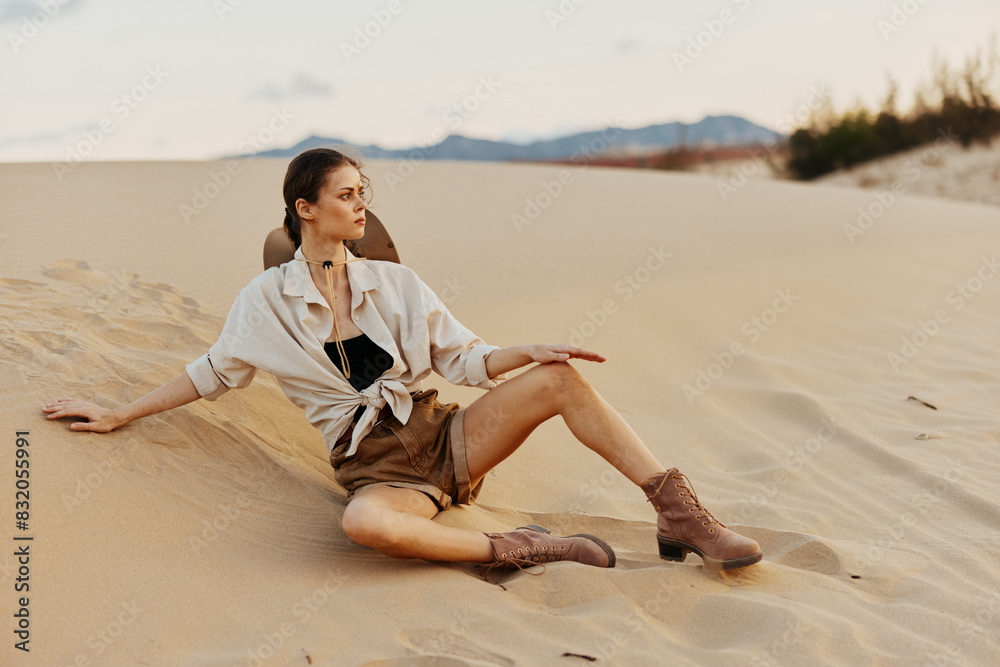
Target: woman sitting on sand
[{"x": 349, "y": 341}]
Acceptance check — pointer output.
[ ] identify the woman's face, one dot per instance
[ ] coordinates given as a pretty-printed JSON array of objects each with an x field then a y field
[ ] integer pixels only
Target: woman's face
[{"x": 340, "y": 211}]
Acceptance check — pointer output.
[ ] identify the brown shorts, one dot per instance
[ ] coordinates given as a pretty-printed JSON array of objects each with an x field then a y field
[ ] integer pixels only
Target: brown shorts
[{"x": 427, "y": 454}]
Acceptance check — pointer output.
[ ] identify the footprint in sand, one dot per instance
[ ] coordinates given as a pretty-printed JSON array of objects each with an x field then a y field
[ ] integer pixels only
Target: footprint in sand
[
  {"x": 803, "y": 552},
  {"x": 813, "y": 556},
  {"x": 419, "y": 661},
  {"x": 445, "y": 645}
]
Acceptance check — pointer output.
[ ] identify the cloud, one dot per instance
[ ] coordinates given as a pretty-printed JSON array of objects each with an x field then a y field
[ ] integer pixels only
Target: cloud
[
  {"x": 15, "y": 11},
  {"x": 32, "y": 139},
  {"x": 626, "y": 45},
  {"x": 301, "y": 85}
]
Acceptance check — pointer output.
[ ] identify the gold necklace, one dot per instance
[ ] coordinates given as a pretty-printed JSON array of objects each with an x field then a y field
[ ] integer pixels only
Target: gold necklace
[{"x": 328, "y": 268}]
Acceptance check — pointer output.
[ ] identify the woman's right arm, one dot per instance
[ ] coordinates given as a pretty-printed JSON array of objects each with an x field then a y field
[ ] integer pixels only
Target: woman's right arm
[
  {"x": 179, "y": 391},
  {"x": 222, "y": 368}
]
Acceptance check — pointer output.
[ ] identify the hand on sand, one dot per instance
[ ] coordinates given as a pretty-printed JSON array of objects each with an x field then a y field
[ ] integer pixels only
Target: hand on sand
[
  {"x": 546, "y": 353},
  {"x": 100, "y": 419}
]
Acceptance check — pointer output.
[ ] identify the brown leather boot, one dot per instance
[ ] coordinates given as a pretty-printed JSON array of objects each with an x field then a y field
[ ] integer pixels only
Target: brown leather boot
[
  {"x": 684, "y": 525},
  {"x": 532, "y": 545}
]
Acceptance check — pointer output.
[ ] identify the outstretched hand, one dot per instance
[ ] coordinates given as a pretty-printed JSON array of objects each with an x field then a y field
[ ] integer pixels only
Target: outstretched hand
[
  {"x": 100, "y": 420},
  {"x": 549, "y": 352}
]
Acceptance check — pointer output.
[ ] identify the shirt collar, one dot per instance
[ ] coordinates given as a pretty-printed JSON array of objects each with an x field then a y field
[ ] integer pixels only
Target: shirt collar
[{"x": 298, "y": 280}]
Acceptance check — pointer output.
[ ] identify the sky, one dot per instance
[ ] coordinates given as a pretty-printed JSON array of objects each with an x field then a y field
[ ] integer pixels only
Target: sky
[{"x": 200, "y": 79}]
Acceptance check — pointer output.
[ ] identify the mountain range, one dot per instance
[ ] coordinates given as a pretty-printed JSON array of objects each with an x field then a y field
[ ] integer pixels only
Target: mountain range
[{"x": 709, "y": 132}]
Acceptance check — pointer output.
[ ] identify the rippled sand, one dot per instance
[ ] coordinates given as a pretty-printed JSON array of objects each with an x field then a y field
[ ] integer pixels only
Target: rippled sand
[{"x": 832, "y": 395}]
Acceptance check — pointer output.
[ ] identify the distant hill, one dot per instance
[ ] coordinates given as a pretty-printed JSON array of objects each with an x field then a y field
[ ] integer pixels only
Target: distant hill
[{"x": 708, "y": 132}]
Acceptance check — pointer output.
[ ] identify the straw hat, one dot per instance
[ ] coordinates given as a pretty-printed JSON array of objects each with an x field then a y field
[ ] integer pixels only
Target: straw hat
[{"x": 375, "y": 244}]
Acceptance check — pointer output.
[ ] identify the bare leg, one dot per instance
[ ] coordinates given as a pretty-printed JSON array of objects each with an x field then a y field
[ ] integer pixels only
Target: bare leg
[
  {"x": 397, "y": 522},
  {"x": 498, "y": 423}
]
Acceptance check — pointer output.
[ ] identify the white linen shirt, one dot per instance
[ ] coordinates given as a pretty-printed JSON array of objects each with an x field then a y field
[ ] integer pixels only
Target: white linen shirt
[{"x": 280, "y": 321}]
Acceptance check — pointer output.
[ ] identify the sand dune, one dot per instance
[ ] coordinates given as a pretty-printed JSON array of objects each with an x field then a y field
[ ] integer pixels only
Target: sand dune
[
  {"x": 767, "y": 345},
  {"x": 941, "y": 169}
]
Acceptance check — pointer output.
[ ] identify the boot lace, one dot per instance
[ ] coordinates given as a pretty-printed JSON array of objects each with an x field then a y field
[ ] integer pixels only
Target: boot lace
[
  {"x": 525, "y": 557},
  {"x": 685, "y": 485}
]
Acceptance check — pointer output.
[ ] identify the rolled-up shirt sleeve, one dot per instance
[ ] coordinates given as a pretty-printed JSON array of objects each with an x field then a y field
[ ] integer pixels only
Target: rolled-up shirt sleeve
[
  {"x": 220, "y": 369},
  {"x": 211, "y": 384}
]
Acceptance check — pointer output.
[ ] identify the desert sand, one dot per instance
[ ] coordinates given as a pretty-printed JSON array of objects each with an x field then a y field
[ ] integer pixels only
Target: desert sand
[
  {"x": 828, "y": 384},
  {"x": 943, "y": 169}
]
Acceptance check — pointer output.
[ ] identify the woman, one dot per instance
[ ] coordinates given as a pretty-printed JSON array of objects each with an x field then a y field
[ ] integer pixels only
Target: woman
[{"x": 349, "y": 341}]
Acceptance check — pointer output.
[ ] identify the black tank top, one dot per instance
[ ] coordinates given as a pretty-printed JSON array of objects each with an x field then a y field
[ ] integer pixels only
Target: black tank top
[{"x": 368, "y": 361}]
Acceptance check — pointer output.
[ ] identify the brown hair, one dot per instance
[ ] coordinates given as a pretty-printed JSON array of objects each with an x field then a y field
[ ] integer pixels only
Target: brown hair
[{"x": 305, "y": 179}]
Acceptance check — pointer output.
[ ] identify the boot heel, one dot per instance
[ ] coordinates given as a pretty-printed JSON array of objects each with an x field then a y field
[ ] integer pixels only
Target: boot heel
[{"x": 670, "y": 551}]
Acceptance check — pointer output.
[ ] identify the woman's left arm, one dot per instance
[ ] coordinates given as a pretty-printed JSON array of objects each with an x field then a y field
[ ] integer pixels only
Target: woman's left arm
[{"x": 508, "y": 358}]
